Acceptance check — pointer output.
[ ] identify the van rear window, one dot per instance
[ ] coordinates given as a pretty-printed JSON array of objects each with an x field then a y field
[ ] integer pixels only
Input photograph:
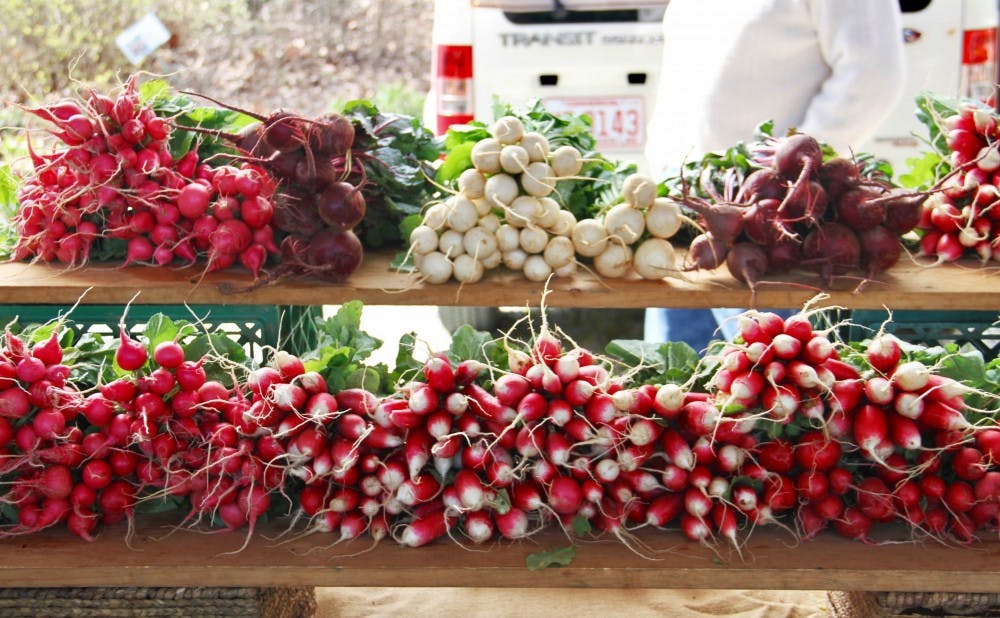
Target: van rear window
[
  {"x": 913, "y": 6},
  {"x": 571, "y": 17}
]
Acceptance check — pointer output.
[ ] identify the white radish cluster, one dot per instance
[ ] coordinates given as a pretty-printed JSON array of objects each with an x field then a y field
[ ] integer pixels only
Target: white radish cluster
[
  {"x": 632, "y": 236},
  {"x": 502, "y": 213}
]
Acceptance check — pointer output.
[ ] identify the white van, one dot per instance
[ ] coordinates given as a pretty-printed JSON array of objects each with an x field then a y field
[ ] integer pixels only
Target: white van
[{"x": 602, "y": 57}]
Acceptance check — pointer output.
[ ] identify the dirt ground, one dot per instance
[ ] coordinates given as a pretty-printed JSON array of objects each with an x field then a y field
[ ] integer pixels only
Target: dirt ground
[{"x": 301, "y": 54}]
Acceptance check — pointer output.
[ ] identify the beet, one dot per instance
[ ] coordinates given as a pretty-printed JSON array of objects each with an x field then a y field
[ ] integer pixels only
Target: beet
[
  {"x": 283, "y": 165},
  {"x": 902, "y": 210},
  {"x": 705, "y": 253},
  {"x": 723, "y": 220},
  {"x": 833, "y": 248},
  {"x": 331, "y": 136},
  {"x": 806, "y": 201},
  {"x": 333, "y": 255},
  {"x": 283, "y": 131},
  {"x": 784, "y": 255},
  {"x": 797, "y": 156},
  {"x": 760, "y": 222},
  {"x": 761, "y": 185},
  {"x": 748, "y": 263},
  {"x": 295, "y": 212},
  {"x": 859, "y": 209},
  {"x": 341, "y": 206},
  {"x": 880, "y": 249},
  {"x": 839, "y": 175}
]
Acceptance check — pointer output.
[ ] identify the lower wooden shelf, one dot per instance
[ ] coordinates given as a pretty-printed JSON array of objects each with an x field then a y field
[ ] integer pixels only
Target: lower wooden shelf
[{"x": 770, "y": 560}]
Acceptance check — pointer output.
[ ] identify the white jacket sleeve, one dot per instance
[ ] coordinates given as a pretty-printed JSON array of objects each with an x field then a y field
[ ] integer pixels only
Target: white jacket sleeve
[{"x": 859, "y": 92}]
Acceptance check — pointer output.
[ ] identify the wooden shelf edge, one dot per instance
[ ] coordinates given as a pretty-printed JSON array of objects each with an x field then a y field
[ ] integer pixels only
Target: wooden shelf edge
[
  {"x": 188, "y": 558},
  {"x": 959, "y": 286}
]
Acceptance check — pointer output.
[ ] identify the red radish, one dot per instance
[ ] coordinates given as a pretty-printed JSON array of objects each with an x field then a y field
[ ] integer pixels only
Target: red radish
[
  {"x": 816, "y": 451},
  {"x": 875, "y": 500},
  {"x": 14, "y": 403},
  {"x": 470, "y": 490},
  {"x": 695, "y": 528},
  {"x": 512, "y": 524},
  {"x": 677, "y": 449},
  {"x": 968, "y": 464},
  {"x": 664, "y": 509},
  {"x": 564, "y": 495},
  {"x": 853, "y": 524},
  {"x": 904, "y": 432},
  {"x": 959, "y": 497},
  {"x": 130, "y": 355}
]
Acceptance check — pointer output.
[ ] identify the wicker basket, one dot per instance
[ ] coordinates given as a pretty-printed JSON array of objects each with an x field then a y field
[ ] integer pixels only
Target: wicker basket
[
  {"x": 913, "y": 604},
  {"x": 157, "y": 602}
]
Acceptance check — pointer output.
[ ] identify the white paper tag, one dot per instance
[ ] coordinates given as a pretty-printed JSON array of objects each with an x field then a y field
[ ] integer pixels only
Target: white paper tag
[{"x": 142, "y": 38}]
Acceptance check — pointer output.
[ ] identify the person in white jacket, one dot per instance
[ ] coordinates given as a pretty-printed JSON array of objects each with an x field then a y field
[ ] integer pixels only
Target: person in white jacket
[{"x": 830, "y": 68}]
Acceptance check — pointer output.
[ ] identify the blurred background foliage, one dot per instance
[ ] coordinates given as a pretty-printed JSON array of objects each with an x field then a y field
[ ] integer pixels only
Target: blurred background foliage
[{"x": 309, "y": 56}]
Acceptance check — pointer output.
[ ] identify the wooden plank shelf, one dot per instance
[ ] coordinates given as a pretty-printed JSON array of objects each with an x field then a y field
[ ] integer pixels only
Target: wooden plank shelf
[
  {"x": 770, "y": 560},
  {"x": 909, "y": 285}
]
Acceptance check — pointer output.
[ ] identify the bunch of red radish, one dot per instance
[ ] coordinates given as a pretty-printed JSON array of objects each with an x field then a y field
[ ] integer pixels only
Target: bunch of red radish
[
  {"x": 114, "y": 178},
  {"x": 890, "y": 443},
  {"x": 798, "y": 211},
  {"x": 963, "y": 218},
  {"x": 54, "y": 472},
  {"x": 787, "y": 434}
]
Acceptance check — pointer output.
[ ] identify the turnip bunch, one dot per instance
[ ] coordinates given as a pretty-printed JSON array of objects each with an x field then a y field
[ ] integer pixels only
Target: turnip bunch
[
  {"x": 503, "y": 212},
  {"x": 632, "y": 235},
  {"x": 962, "y": 218}
]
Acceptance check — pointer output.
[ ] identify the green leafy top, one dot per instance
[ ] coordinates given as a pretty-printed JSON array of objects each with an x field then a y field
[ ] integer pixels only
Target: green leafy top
[
  {"x": 935, "y": 163},
  {"x": 674, "y": 362},
  {"x": 402, "y": 153},
  {"x": 341, "y": 349},
  {"x": 8, "y": 208},
  {"x": 184, "y": 111}
]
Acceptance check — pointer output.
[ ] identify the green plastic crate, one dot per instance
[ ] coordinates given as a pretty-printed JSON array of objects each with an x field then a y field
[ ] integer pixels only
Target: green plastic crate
[
  {"x": 258, "y": 328},
  {"x": 980, "y": 329}
]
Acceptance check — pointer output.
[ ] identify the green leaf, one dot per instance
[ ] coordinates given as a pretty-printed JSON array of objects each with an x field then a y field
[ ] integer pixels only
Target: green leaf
[
  {"x": 562, "y": 556},
  {"x": 458, "y": 160},
  {"x": 406, "y": 365},
  {"x": 154, "y": 91},
  {"x": 160, "y": 328},
  {"x": 581, "y": 526},
  {"x": 923, "y": 170},
  {"x": 468, "y": 343},
  {"x": 636, "y": 352}
]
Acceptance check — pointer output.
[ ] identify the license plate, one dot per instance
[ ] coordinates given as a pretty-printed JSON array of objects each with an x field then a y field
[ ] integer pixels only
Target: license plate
[{"x": 619, "y": 122}]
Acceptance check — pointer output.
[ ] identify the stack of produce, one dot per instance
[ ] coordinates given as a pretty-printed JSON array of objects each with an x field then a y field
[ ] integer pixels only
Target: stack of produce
[
  {"x": 798, "y": 208},
  {"x": 115, "y": 179},
  {"x": 503, "y": 211},
  {"x": 507, "y": 211},
  {"x": 962, "y": 218},
  {"x": 149, "y": 177},
  {"x": 791, "y": 429}
]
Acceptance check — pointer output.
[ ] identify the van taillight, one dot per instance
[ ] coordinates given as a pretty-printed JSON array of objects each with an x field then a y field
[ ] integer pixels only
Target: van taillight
[
  {"x": 979, "y": 57},
  {"x": 454, "y": 86}
]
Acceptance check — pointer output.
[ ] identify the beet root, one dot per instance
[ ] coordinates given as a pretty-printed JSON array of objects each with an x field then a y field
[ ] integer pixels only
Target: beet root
[
  {"x": 833, "y": 248},
  {"x": 705, "y": 253}
]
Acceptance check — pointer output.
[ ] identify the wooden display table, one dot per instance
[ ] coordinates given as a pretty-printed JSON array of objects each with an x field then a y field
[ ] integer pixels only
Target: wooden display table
[{"x": 770, "y": 559}]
